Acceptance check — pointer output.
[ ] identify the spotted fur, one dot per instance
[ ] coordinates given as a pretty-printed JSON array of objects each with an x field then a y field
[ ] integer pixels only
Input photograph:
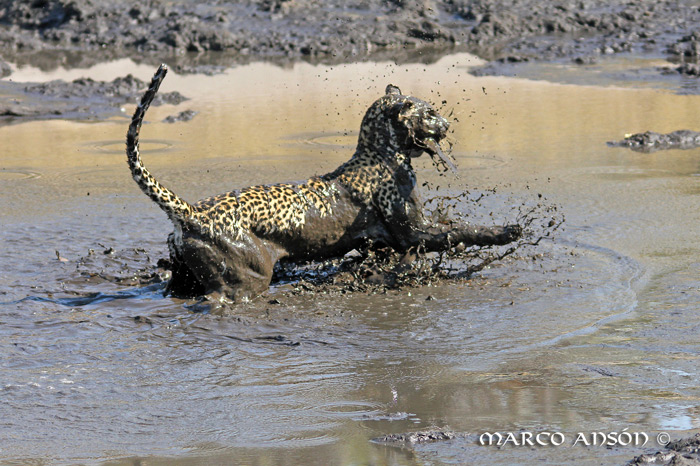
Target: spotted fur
[{"x": 229, "y": 243}]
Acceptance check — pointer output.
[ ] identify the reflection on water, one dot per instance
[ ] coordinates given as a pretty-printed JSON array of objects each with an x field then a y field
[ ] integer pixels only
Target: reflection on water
[
  {"x": 597, "y": 331},
  {"x": 18, "y": 174},
  {"x": 116, "y": 147}
]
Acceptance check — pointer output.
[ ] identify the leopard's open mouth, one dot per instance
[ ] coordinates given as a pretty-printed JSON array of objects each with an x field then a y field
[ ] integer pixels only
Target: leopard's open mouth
[
  {"x": 427, "y": 136},
  {"x": 432, "y": 147}
]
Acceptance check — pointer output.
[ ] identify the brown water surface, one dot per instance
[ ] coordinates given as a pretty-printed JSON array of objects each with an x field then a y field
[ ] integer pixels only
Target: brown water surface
[{"x": 597, "y": 333}]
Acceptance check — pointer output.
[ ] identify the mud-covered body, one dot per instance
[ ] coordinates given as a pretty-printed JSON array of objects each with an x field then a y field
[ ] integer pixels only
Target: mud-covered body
[{"x": 228, "y": 244}]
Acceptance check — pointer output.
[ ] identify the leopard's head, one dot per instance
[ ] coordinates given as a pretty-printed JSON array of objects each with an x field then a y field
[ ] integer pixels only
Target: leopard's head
[{"x": 400, "y": 124}]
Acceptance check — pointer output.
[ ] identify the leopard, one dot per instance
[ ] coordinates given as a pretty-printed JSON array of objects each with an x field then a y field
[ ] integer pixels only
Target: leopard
[{"x": 225, "y": 247}]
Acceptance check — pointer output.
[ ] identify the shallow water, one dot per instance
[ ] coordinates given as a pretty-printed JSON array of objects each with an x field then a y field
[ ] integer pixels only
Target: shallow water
[{"x": 594, "y": 331}]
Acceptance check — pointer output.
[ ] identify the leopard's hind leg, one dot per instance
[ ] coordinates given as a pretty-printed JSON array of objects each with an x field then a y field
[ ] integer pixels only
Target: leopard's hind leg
[{"x": 239, "y": 270}]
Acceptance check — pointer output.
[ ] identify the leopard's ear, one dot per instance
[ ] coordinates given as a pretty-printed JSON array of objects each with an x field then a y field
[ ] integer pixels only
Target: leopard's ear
[
  {"x": 392, "y": 90},
  {"x": 406, "y": 109}
]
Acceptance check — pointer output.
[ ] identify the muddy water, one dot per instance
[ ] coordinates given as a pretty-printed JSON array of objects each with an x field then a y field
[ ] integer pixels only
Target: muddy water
[{"x": 597, "y": 332}]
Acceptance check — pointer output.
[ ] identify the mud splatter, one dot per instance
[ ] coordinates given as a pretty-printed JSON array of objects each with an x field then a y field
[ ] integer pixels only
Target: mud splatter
[
  {"x": 125, "y": 267},
  {"x": 376, "y": 269}
]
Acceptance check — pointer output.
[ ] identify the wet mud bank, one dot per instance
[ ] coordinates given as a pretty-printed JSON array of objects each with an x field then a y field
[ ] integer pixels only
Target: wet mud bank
[
  {"x": 205, "y": 38},
  {"x": 81, "y": 99},
  {"x": 208, "y": 39}
]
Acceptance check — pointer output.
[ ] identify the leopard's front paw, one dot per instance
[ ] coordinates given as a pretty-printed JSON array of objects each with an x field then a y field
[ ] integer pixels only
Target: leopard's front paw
[{"x": 510, "y": 233}]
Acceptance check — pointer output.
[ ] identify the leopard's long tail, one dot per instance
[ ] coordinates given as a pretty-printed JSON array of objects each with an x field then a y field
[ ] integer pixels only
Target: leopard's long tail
[{"x": 177, "y": 209}]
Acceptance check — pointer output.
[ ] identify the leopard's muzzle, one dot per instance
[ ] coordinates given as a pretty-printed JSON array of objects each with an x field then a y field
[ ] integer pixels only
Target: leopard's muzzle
[{"x": 429, "y": 132}]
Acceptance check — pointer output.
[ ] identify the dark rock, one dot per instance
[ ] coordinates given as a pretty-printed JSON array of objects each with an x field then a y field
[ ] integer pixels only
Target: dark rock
[
  {"x": 589, "y": 60},
  {"x": 412, "y": 438},
  {"x": 5, "y": 69},
  {"x": 689, "y": 69},
  {"x": 687, "y": 46},
  {"x": 683, "y": 452},
  {"x": 650, "y": 141},
  {"x": 514, "y": 59},
  {"x": 185, "y": 115},
  {"x": 686, "y": 445}
]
